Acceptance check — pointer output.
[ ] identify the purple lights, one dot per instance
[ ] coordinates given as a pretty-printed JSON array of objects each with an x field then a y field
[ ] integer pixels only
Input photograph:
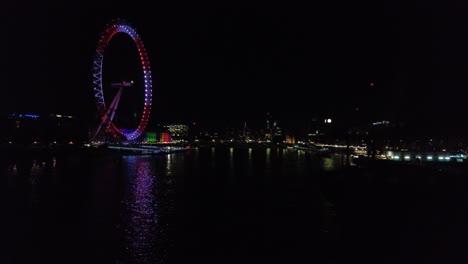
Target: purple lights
[
  {"x": 140, "y": 228},
  {"x": 120, "y": 26}
]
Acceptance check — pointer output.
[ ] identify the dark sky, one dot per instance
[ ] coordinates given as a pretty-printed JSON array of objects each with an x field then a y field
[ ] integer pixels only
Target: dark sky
[{"x": 237, "y": 63}]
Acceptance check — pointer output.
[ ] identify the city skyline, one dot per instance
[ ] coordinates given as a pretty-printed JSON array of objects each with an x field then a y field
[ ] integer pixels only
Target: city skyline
[{"x": 216, "y": 64}]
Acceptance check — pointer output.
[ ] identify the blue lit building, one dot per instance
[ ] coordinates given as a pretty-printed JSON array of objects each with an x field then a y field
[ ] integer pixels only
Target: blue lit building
[{"x": 26, "y": 128}]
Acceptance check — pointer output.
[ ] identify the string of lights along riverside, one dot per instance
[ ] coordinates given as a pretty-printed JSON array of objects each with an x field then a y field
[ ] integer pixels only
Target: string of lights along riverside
[{"x": 107, "y": 113}]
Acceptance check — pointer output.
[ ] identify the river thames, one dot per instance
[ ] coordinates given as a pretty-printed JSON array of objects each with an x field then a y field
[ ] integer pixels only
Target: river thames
[{"x": 215, "y": 205}]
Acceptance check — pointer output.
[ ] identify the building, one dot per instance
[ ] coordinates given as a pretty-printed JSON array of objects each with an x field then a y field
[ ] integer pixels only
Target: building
[
  {"x": 19, "y": 128},
  {"x": 178, "y": 131},
  {"x": 166, "y": 137},
  {"x": 157, "y": 137},
  {"x": 150, "y": 137}
]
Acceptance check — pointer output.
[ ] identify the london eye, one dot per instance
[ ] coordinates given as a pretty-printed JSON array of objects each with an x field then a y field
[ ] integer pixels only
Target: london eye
[{"x": 106, "y": 112}]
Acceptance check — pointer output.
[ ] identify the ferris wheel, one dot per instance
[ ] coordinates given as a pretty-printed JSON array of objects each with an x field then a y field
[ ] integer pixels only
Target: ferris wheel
[{"x": 106, "y": 113}]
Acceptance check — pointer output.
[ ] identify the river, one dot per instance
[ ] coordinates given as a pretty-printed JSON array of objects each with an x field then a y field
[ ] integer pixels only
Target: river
[{"x": 206, "y": 205}]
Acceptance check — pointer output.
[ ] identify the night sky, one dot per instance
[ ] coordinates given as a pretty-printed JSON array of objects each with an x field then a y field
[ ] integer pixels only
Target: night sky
[{"x": 219, "y": 64}]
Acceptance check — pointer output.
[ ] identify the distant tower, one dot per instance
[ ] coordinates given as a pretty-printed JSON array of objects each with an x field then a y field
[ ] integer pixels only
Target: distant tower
[
  {"x": 268, "y": 131},
  {"x": 245, "y": 130},
  {"x": 268, "y": 121}
]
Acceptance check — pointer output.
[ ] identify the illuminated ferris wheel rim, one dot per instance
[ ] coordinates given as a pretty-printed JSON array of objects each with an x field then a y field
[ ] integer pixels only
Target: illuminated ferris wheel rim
[{"x": 121, "y": 26}]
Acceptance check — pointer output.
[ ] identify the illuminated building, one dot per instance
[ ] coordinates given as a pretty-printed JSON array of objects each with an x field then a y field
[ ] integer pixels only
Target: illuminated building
[
  {"x": 157, "y": 137},
  {"x": 277, "y": 133},
  {"x": 178, "y": 131},
  {"x": 165, "y": 137},
  {"x": 269, "y": 130},
  {"x": 381, "y": 123},
  {"x": 290, "y": 139},
  {"x": 425, "y": 156},
  {"x": 151, "y": 137},
  {"x": 42, "y": 129}
]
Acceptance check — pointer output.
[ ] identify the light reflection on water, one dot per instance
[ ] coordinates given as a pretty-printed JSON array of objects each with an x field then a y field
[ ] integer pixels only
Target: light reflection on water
[
  {"x": 332, "y": 163},
  {"x": 146, "y": 198},
  {"x": 169, "y": 164},
  {"x": 139, "y": 210}
]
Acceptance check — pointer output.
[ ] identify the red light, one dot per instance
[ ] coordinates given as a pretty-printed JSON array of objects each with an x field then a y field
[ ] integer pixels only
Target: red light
[{"x": 371, "y": 84}]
